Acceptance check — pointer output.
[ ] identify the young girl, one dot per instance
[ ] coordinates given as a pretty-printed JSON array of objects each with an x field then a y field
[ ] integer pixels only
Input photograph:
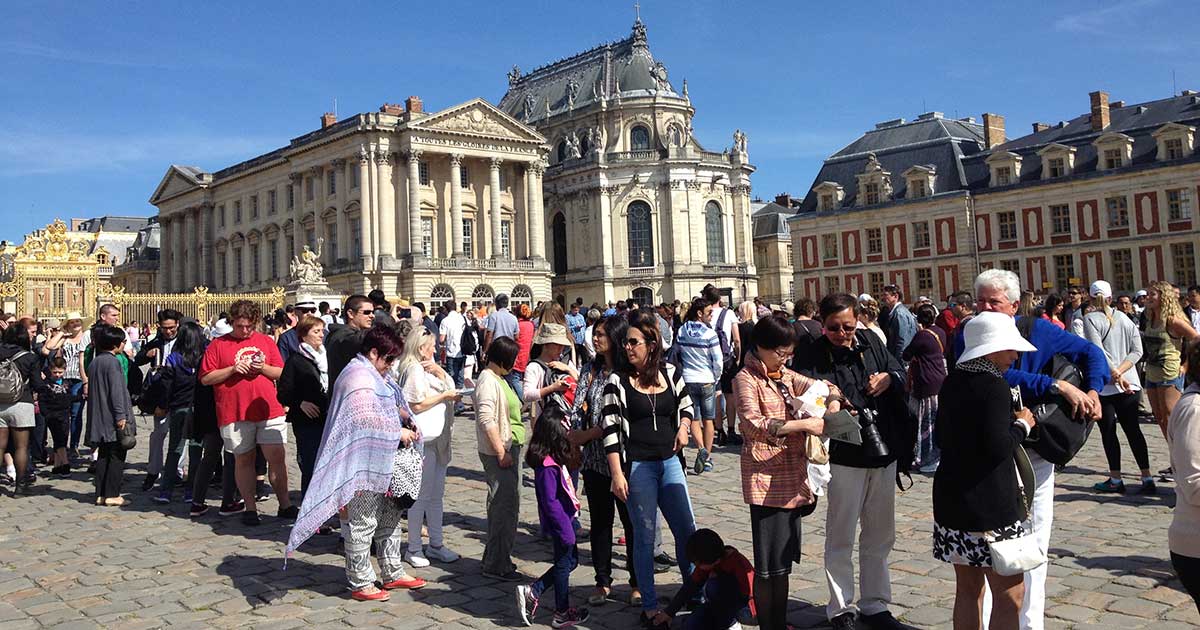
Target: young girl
[{"x": 557, "y": 506}]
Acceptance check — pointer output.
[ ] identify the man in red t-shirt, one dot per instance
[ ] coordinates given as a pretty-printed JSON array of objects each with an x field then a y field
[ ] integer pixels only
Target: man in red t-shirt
[{"x": 242, "y": 368}]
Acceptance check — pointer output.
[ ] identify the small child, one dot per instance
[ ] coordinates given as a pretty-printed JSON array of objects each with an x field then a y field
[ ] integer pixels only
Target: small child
[
  {"x": 54, "y": 401},
  {"x": 727, "y": 579},
  {"x": 557, "y": 505}
]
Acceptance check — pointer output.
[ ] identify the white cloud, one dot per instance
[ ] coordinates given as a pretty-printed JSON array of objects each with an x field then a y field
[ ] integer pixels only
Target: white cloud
[
  {"x": 1103, "y": 21},
  {"x": 34, "y": 153},
  {"x": 30, "y": 49}
]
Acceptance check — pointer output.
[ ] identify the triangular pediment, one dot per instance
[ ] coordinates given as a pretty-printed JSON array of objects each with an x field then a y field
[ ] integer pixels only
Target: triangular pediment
[
  {"x": 176, "y": 181},
  {"x": 478, "y": 118}
]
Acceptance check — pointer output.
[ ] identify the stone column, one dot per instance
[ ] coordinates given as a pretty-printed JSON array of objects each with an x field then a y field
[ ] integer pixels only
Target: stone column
[
  {"x": 164, "y": 254},
  {"x": 495, "y": 209},
  {"x": 343, "y": 222},
  {"x": 414, "y": 202},
  {"x": 456, "y": 217},
  {"x": 177, "y": 234},
  {"x": 230, "y": 267},
  {"x": 297, "y": 211},
  {"x": 537, "y": 215},
  {"x": 366, "y": 210},
  {"x": 206, "y": 210},
  {"x": 386, "y": 204},
  {"x": 247, "y": 265},
  {"x": 264, "y": 262},
  {"x": 192, "y": 243}
]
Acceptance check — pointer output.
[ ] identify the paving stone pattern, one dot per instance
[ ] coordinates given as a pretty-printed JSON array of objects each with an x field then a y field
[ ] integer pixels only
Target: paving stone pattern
[{"x": 65, "y": 563}]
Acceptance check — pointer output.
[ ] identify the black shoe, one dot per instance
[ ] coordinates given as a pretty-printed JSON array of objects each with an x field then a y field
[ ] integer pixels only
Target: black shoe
[
  {"x": 844, "y": 621},
  {"x": 882, "y": 621},
  {"x": 91, "y": 469},
  {"x": 508, "y": 576},
  {"x": 251, "y": 519},
  {"x": 734, "y": 439},
  {"x": 719, "y": 438},
  {"x": 149, "y": 481},
  {"x": 1148, "y": 488},
  {"x": 262, "y": 491},
  {"x": 663, "y": 558},
  {"x": 290, "y": 512},
  {"x": 229, "y": 509},
  {"x": 61, "y": 471},
  {"x": 1167, "y": 474},
  {"x": 198, "y": 510}
]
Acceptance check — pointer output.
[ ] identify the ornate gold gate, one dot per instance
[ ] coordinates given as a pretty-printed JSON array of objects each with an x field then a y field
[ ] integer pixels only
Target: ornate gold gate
[
  {"x": 51, "y": 274},
  {"x": 199, "y": 304}
]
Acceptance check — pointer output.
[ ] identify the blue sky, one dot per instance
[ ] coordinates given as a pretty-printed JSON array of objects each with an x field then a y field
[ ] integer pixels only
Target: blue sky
[{"x": 97, "y": 99}]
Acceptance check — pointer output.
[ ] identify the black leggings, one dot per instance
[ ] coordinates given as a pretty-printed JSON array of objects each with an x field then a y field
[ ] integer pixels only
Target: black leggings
[
  {"x": 110, "y": 470},
  {"x": 602, "y": 503},
  {"x": 1188, "y": 570},
  {"x": 1123, "y": 409}
]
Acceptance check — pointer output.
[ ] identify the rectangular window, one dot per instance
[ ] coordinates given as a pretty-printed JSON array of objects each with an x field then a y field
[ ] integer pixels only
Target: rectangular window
[
  {"x": 355, "y": 238},
  {"x": 221, "y": 215},
  {"x": 238, "y": 265},
  {"x": 1064, "y": 270},
  {"x": 791, "y": 261},
  {"x": 427, "y": 237},
  {"x": 1113, "y": 158},
  {"x": 1008, "y": 225},
  {"x": 423, "y": 173},
  {"x": 503, "y": 178},
  {"x": 1179, "y": 204},
  {"x": 332, "y": 174},
  {"x": 253, "y": 206},
  {"x": 1012, "y": 265},
  {"x": 1184, "y": 257},
  {"x": 827, "y": 202},
  {"x": 829, "y": 246},
  {"x": 469, "y": 238},
  {"x": 1118, "y": 212},
  {"x": 331, "y": 245},
  {"x": 271, "y": 201},
  {"x": 354, "y": 177},
  {"x": 255, "y": 267},
  {"x": 273, "y": 257},
  {"x": 871, "y": 191},
  {"x": 1003, "y": 176},
  {"x": 291, "y": 196},
  {"x": 1122, "y": 266},
  {"x": 918, "y": 189},
  {"x": 237, "y": 211},
  {"x": 310, "y": 185},
  {"x": 921, "y": 234},
  {"x": 874, "y": 241},
  {"x": 832, "y": 285},
  {"x": 506, "y": 238},
  {"x": 875, "y": 282},
  {"x": 925, "y": 280},
  {"x": 464, "y": 177},
  {"x": 310, "y": 237},
  {"x": 1058, "y": 167},
  {"x": 1060, "y": 219},
  {"x": 1174, "y": 147}
]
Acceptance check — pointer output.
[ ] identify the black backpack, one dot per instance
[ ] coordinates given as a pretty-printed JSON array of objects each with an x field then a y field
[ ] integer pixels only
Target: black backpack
[
  {"x": 466, "y": 342},
  {"x": 1058, "y": 436}
]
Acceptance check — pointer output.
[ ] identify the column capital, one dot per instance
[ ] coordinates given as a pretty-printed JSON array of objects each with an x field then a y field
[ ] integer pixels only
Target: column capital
[
  {"x": 414, "y": 155},
  {"x": 456, "y": 159},
  {"x": 496, "y": 162},
  {"x": 383, "y": 157},
  {"x": 206, "y": 205},
  {"x": 537, "y": 168},
  {"x": 363, "y": 154},
  {"x": 338, "y": 162},
  {"x": 317, "y": 171},
  {"x": 296, "y": 177}
]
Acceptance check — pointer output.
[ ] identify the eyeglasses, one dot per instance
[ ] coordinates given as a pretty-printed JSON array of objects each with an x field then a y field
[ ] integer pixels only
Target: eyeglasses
[
  {"x": 633, "y": 343},
  {"x": 841, "y": 329},
  {"x": 783, "y": 354}
]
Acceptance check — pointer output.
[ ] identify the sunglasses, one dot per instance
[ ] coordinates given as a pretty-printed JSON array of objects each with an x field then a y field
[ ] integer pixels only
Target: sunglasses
[
  {"x": 841, "y": 329},
  {"x": 633, "y": 343}
]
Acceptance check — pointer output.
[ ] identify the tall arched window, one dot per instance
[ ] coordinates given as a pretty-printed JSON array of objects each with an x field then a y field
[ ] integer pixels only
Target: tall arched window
[
  {"x": 639, "y": 139},
  {"x": 714, "y": 230},
  {"x": 644, "y": 296},
  {"x": 561, "y": 153},
  {"x": 558, "y": 228},
  {"x": 641, "y": 243}
]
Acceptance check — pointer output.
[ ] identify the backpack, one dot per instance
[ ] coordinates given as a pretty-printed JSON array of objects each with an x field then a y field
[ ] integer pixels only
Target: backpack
[
  {"x": 12, "y": 382},
  {"x": 466, "y": 342},
  {"x": 730, "y": 364},
  {"x": 1057, "y": 437}
]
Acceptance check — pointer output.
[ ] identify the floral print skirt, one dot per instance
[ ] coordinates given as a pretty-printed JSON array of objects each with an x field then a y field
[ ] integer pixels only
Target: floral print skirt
[{"x": 970, "y": 548}]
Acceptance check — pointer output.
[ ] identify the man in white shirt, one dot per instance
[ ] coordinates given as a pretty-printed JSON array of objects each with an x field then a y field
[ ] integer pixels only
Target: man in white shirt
[
  {"x": 724, "y": 321},
  {"x": 450, "y": 333},
  {"x": 593, "y": 317}
]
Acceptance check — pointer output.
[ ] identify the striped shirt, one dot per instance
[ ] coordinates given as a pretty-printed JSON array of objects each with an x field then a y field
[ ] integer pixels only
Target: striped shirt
[
  {"x": 699, "y": 351},
  {"x": 774, "y": 469},
  {"x": 619, "y": 427}
]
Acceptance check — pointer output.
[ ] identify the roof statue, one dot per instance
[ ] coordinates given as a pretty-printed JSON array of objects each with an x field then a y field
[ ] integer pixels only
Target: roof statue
[
  {"x": 514, "y": 75},
  {"x": 572, "y": 92},
  {"x": 573, "y": 146},
  {"x": 306, "y": 266},
  {"x": 739, "y": 141}
]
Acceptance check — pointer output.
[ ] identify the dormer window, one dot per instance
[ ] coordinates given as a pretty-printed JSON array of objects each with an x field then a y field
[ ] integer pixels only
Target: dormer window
[
  {"x": 827, "y": 202},
  {"x": 639, "y": 139},
  {"x": 1115, "y": 150},
  {"x": 1058, "y": 160},
  {"x": 917, "y": 189},
  {"x": 1175, "y": 141},
  {"x": 829, "y": 195},
  {"x": 1005, "y": 167},
  {"x": 920, "y": 181},
  {"x": 871, "y": 193},
  {"x": 874, "y": 184}
]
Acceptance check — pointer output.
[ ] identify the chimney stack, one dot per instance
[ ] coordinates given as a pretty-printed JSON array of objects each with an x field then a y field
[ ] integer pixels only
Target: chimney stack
[
  {"x": 328, "y": 119},
  {"x": 391, "y": 108},
  {"x": 1099, "y": 111},
  {"x": 413, "y": 105},
  {"x": 784, "y": 199},
  {"x": 1039, "y": 127},
  {"x": 993, "y": 130}
]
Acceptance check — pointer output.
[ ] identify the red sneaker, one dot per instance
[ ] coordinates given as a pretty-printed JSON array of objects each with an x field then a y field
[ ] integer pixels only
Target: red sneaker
[
  {"x": 368, "y": 596},
  {"x": 410, "y": 583}
]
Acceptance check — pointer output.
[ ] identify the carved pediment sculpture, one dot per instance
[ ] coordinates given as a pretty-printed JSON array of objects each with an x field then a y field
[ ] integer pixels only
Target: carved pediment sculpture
[{"x": 306, "y": 266}]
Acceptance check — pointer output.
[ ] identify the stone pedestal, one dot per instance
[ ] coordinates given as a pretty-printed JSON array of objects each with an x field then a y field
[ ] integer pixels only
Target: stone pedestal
[{"x": 317, "y": 292}]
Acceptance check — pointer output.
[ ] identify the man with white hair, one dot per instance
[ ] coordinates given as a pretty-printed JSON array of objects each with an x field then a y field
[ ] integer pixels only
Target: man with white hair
[{"x": 999, "y": 291}]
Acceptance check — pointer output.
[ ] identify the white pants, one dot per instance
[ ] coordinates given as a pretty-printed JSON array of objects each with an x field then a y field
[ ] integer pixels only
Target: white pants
[
  {"x": 866, "y": 497},
  {"x": 158, "y": 435},
  {"x": 428, "y": 507},
  {"x": 1033, "y": 608}
]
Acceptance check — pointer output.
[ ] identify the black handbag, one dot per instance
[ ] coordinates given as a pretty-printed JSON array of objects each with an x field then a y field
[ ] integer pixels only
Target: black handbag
[
  {"x": 125, "y": 438},
  {"x": 1058, "y": 436}
]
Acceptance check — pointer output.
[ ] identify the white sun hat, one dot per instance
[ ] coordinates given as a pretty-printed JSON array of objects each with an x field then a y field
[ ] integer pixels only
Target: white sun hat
[
  {"x": 992, "y": 332},
  {"x": 1100, "y": 288}
]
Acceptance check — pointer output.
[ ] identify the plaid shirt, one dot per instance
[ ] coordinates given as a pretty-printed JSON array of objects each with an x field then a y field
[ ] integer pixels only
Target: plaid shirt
[{"x": 774, "y": 469}]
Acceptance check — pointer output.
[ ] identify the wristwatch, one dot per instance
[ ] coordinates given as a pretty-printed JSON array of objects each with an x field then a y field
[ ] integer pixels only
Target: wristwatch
[{"x": 1054, "y": 389}]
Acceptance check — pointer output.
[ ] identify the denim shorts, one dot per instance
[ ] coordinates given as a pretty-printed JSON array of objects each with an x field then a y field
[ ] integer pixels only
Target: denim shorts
[
  {"x": 1176, "y": 382},
  {"x": 704, "y": 400}
]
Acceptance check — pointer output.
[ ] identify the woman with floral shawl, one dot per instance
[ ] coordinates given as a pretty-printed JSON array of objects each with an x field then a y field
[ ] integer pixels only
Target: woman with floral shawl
[{"x": 368, "y": 421}]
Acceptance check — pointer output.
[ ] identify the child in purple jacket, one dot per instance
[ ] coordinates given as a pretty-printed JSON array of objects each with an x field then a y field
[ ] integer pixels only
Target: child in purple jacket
[{"x": 557, "y": 506}]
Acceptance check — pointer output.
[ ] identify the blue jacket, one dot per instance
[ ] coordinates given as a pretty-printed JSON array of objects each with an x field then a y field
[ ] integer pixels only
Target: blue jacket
[
  {"x": 1050, "y": 340},
  {"x": 900, "y": 327}
]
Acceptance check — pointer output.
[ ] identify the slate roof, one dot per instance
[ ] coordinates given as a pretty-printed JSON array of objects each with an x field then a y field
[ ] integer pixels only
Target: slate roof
[
  {"x": 624, "y": 66},
  {"x": 770, "y": 220},
  {"x": 930, "y": 140},
  {"x": 1138, "y": 121},
  {"x": 114, "y": 224}
]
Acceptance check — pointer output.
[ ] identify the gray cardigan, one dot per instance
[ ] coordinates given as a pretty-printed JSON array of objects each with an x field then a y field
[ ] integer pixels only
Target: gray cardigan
[
  {"x": 1120, "y": 342},
  {"x": 108, "y": 399}
]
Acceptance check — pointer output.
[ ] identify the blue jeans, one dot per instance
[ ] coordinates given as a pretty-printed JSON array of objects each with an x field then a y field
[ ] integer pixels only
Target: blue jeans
[
  {"x": 558, "y": 576},
  {"x": 515, "y": 381},
  {"x": 77, "y": 403},
  {"x": 704, "y": 400},
  {"x": 655, "y": 486},
  {"x": 454, "y": 367},
  {"x": 723, "y": 600}
]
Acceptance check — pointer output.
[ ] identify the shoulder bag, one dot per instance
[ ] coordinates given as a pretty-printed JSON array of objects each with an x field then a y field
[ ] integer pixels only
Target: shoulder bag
[
  {"x": 1058, "y": 436},
  {"x": 814, "y": 448},
  {"x": 1019, "y": 555}
]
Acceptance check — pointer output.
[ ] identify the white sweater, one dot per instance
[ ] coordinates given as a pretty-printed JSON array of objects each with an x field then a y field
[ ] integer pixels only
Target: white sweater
[{"x": 1183, "y": 438}]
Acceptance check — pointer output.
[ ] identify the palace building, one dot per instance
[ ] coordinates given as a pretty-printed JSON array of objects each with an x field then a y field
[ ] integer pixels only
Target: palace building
[
  {"x": 635, "y": 206},
  {"x": 927, "y": 204},
  {"x": 428, "y": 206}
]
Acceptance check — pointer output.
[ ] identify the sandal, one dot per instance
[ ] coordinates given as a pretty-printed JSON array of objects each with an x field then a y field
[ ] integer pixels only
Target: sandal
[
  {"x": 635, "y": 598},
  {"x": 599, "y": 597},
  {"x": 114, "y": 502}
]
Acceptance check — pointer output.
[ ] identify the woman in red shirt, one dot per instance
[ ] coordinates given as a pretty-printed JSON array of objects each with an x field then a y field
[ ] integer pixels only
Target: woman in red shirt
[{"x": 525, "y": 330}]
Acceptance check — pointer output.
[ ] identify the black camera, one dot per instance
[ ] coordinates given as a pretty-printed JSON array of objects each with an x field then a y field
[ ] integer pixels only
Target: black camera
[{"x": 872, "y": 442}]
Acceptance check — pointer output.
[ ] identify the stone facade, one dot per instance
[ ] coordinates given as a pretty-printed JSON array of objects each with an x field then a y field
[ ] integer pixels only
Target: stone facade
[
  {"x": 636, "y": 207},
  {"x": 427, "y": 206}
]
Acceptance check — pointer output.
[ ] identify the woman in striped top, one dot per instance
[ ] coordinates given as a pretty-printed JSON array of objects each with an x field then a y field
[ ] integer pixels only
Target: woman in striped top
[{"x": 646, "y": 419}]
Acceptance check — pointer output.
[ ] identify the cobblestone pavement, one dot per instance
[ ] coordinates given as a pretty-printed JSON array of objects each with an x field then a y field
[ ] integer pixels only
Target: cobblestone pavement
[{"x": 69, "y": 564}]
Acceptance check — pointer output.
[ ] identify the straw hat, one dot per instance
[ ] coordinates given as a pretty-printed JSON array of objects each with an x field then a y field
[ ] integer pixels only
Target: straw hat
[
  {"x": 74, "y": 315},
  {"x": 992, "y": 332},
  {"x": 550, "y": 332}
]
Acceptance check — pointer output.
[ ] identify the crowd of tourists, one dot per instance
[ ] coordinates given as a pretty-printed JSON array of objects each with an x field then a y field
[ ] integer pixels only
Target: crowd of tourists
[{"x": 846, "y": 398}]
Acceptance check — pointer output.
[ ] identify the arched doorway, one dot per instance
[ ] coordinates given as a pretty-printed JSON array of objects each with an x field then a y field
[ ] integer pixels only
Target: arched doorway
[
  {"x": 644, "y": 296},
  {"x": 482, "y": 296}
]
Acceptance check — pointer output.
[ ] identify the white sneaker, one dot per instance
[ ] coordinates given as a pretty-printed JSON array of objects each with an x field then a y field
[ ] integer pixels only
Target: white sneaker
[
  {"x": 417, "y": 560},
  {"x": 440, "y": 554}
]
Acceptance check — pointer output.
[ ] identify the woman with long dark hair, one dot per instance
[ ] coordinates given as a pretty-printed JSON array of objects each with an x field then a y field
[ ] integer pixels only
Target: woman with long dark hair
[
  {"x": 179, "y": 380},
  {"x": 1052, "y": 309},
  {"x": 647, "y": 416},
  {"x": 603, "y": 505},
  {"x": 17, "y": 415}
]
